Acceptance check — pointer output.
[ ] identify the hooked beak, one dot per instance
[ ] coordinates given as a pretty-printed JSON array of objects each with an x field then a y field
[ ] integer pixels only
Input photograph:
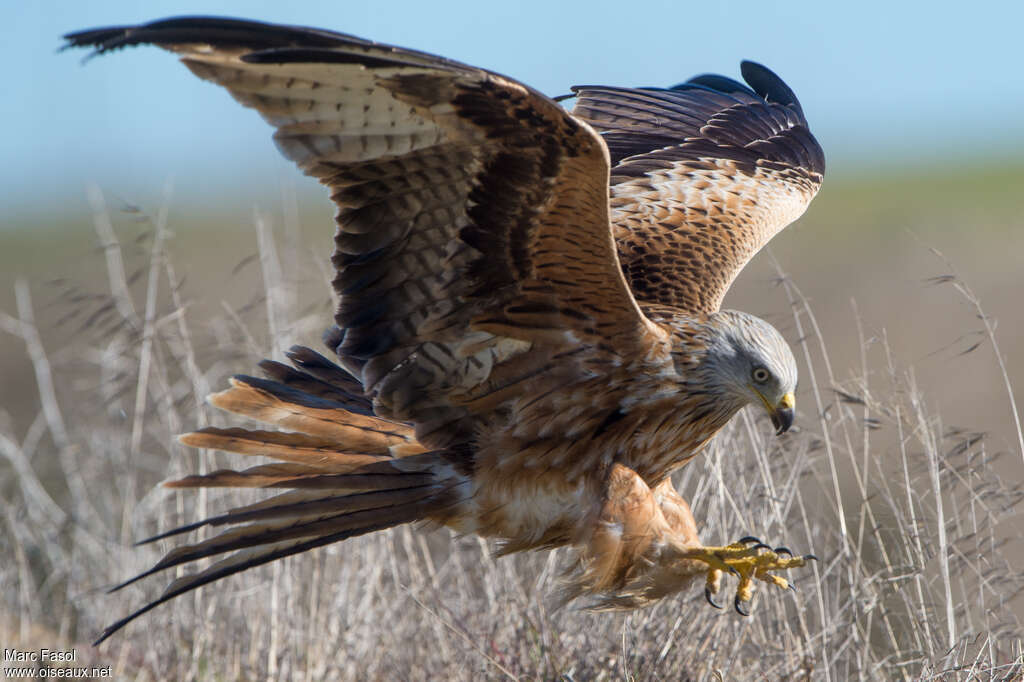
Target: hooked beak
[
  {"x": 782, "y": 419},
  {"x": 781, "y": 414}
]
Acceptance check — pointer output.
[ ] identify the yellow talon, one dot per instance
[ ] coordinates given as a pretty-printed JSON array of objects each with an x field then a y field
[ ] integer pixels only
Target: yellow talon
[
  {"x": 711, "y": 586},
  {"x": 749, "y": 559}
]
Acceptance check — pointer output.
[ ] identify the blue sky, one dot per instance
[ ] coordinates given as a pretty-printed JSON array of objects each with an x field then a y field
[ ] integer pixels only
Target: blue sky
[{"x": 894, "y": 84}]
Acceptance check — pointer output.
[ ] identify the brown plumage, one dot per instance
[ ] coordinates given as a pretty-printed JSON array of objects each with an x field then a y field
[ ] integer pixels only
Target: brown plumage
[{"x": 521, "y": 355}]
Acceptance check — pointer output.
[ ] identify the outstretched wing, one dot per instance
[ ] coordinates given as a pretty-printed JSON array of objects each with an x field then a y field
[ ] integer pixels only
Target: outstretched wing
[
  {"x": 703, "y": 175},
  {"x": 473, "y": 248}
]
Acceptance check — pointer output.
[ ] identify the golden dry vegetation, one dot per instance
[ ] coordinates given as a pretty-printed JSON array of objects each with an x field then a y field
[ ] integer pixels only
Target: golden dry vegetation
[{"x": 903, "y": 476}]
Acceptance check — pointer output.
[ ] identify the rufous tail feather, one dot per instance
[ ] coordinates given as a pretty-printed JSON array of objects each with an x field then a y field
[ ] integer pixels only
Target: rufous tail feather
[{"x": 344, "y": 473}]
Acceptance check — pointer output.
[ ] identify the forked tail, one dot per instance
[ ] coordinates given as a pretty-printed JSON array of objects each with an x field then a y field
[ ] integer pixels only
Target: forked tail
[{"x": 345, "y": 473}]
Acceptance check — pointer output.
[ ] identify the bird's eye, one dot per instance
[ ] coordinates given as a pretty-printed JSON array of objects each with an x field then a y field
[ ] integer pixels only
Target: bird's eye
[{"x": 760, "y": 375}]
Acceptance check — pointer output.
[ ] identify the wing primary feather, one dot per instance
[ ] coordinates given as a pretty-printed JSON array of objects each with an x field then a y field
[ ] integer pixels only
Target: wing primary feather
[
  {"x": 767, "y": 83},
  {"x": 717, "y": 83},
  {"x": 327, "y": 55}
]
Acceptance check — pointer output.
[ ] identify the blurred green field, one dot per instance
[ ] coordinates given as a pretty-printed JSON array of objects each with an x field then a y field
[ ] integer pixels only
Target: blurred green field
[{"x": 868, "y": 240}]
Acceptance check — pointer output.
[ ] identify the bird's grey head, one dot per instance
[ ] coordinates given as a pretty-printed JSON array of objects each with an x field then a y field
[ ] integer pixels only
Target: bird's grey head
[{"x": 753, "y": 364}]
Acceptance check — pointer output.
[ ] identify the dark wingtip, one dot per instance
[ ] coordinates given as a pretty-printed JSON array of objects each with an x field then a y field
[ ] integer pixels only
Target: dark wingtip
[
  {"x": 716, "y": 82},
  {"x": 177, "y": 29},
  {"x": 769, "y": 85},
  {"x": 102, "y": 40}
]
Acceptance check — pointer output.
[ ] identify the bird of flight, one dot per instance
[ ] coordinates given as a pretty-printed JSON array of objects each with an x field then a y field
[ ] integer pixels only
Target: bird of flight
[{"x": 528, "y": 339}]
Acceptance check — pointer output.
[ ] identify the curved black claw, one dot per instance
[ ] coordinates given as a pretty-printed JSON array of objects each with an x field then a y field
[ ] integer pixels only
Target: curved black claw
[
  {"x": 711, "y": 599},
  {"x": 790, "y": 585},
  {"x": 761, "y": 545},
  {"x": 748, "y": 539},
  {"x": 811, "y": 557},
  {"x": 740, "y": 609},
  {"x": 783, "y": 550}
]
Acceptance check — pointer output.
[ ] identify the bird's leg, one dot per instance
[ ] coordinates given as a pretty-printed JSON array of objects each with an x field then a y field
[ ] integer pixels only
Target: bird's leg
[{"x": 748, "y": 559}]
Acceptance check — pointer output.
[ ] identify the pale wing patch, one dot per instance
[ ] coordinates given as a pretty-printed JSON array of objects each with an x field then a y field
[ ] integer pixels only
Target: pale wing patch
[
  {"x": 684, "y": 232},
  {"x": 662, "y": 198},
  {"x": 338, "y": 115}
]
